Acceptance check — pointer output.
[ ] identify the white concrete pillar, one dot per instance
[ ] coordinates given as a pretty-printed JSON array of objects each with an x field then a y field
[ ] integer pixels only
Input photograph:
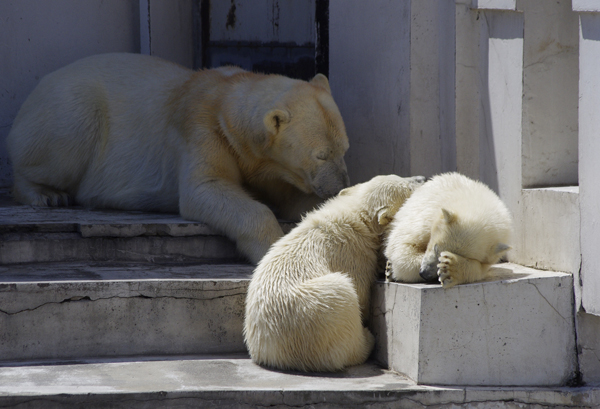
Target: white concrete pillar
[
  {"x": 550, "y": 76},
  {"x": 589, "y": 150},
  {"x": 489, "y": 61},
  {"x": 588, "y": 285}
]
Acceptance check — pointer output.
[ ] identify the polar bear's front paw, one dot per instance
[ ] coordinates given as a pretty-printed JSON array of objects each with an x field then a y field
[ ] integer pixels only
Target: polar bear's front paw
[
  {"x": 52, "y": 198},
  {"x": 448, "y": 269}
]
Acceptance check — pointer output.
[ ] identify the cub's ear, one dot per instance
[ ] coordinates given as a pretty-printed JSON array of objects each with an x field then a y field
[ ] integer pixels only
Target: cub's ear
[
  {"x": 502, "y": 248},
  {"x": 275, "y": 119},
  {"x": 384, "y": 216},
  {"x": 346, "y": 191},
  {"x": 321, "y": 81},
  {"x": 449, "y": 216}
]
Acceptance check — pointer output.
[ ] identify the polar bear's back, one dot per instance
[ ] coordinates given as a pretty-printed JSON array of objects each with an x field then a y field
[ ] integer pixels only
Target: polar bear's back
[
  {"x": 106, "y": 113},
  {"x": 458, "y": 194},
  {"x": 303, "y": 307}
]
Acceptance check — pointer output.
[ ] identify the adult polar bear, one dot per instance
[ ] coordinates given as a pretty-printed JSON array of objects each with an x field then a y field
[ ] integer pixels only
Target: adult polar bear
[{"x": 135, "y": 132}]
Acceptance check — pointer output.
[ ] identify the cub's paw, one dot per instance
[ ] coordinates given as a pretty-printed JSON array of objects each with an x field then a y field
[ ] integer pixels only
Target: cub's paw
[
  {"x": 52, "y": 198},
  {"x": 417, "y": 180},
  {"x": 449, "y": 272}
]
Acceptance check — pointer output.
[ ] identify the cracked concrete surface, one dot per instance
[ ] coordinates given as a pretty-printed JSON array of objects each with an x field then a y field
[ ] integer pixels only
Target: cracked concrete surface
[
  {"x": 479, "y": 334},
  {"x": 36, "y": 234},
  {"x": 234, "y": 381},
  {"x": 73, "y": 311}
]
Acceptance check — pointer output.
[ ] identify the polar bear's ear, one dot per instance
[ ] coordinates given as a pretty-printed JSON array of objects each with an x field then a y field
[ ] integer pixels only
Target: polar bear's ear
[
  {"x": 501, "y": 248},
  {"x": 449, "y": 216},
  {"x": 384, "y": 216},
  {"x": 321, "y": 81},
  {"x": 275, "y": 118},
  {"x": 346, "y": 191}
]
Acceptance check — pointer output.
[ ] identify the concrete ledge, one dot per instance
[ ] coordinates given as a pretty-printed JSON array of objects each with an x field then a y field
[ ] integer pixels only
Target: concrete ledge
[
  {"x": 55, "y": 247},
  {"x": 40, "y": 235},
  {"x": 77, "y": 311},
  {"x": 516, "y": 329},
  {"x": 590, "y": 6},
  {"x": 213, "y": 382},
  {"x": 494, "y": 4}
]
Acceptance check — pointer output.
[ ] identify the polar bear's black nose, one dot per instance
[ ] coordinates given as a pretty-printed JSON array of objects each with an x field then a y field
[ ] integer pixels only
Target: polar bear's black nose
[
  {"x": 429, "y": 273},
  {"x": 329, "y": 180}
]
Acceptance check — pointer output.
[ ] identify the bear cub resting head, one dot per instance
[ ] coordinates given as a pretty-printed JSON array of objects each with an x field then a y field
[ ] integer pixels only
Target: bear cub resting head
[{"x": 451, "y": 230}]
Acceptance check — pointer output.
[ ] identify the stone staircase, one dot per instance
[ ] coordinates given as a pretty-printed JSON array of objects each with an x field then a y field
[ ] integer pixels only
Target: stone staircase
[{"x": 106, "y": 309}]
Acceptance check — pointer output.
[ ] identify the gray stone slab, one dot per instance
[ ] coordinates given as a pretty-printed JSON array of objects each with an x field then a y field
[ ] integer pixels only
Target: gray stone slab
[
  {"x": 76, "y": 311},
  {"x": 15, "y": 218},
  {"x": 53, "y": 247},
  {"x": 211, "y": 382},
  {"x": 40, "y": 234},
  {"x": 114, "y": 271},
  {"x": 515, "y": 329}
]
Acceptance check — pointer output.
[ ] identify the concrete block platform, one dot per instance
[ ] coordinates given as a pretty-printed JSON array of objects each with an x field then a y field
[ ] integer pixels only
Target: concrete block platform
[
  {"x": 515, "y": 329},
  {"x": 92, "y": 310},
  {"x": 235, "y": 382}
]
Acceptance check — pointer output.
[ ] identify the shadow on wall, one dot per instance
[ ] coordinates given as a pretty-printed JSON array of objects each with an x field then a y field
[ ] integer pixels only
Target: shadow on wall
[{"x": 496, "y": 99}]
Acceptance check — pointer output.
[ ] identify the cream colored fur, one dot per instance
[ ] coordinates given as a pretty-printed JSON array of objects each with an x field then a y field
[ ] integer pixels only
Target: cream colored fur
[
  {"x": 452, "y": 230},
  {"x": 134, "y": 132},
  {"x": 308, "y": 294}
]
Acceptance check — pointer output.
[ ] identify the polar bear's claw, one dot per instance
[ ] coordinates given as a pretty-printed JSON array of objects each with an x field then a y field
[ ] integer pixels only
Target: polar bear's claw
[{"x": 447, "y": 269}]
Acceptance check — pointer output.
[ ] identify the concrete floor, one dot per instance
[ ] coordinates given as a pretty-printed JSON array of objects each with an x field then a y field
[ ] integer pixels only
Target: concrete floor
[{"x": 234, "y": 381}]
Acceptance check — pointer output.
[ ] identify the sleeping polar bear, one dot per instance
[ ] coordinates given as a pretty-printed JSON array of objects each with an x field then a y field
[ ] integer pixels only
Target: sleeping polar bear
[
  {"x": 309, "y": 294},
  {"x": 222, "y": 146}
]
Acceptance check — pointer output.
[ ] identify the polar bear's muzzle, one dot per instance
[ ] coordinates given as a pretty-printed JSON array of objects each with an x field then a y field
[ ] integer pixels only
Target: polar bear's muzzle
[
  {"x": 329, "y": 180},
  {"x": 429, "y": 269}
]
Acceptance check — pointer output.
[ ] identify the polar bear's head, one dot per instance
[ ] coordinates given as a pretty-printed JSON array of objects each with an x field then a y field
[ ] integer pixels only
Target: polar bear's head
[
  {"x": 306, "y": 138},
  {"x": 465, "y": 236}
]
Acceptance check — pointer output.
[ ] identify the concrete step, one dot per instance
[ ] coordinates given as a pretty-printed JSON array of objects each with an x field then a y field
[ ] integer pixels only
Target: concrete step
[
  {"x": 478, "y": 334},
  {"x": 78, "y": 284},
  {"x": 82, "y": 310},
  {"x": 235, "y": 382},
  {"x": 34, "y": 234}
]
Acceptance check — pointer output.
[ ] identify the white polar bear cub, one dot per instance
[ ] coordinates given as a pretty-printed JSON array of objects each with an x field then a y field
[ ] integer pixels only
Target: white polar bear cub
[
  {"x": 307, "y": 295},
  {"x": 452, "y": 230}
]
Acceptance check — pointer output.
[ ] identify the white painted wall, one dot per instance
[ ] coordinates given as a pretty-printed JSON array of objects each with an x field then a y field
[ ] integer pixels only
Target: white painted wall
[
  {"x": 432, "y": 91},
  {"x": 38, "y": 37},
  {"x": 369, "y": 74},
  {"x": 391, "y": 72},
  {"x": 550, "y": 93},
  {"x": 171, "y": 30}
]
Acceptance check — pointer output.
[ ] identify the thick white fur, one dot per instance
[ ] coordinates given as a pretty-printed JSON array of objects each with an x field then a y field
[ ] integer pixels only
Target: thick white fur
[
  {"x": 457, "y": 245},
  {"x": 308, "y": 294},
  {"x": 128, "y": 131}
]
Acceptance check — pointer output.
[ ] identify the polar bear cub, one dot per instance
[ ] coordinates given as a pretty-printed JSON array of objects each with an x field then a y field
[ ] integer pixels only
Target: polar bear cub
[
  {"x": 452, "y": 230},
  {"x": 308, "y": 294}
]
